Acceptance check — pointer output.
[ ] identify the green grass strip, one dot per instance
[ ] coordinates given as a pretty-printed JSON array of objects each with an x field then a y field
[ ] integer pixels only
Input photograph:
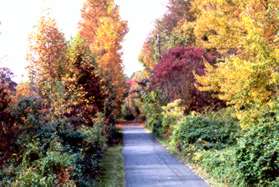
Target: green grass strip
[{"x": 113, "y": 165}]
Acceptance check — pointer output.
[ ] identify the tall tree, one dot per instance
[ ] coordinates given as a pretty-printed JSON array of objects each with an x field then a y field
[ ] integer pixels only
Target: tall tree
[
  {"x": 174, "y": 77},
  {"x": 168, "y": 33},
  {"x": 103, "y": 30},
  {"x": 84, "y": 89},
  {"x": 247, "y": 33},
  {"x": 47, "y": 60},
  {"x": 234, "y": 26}
]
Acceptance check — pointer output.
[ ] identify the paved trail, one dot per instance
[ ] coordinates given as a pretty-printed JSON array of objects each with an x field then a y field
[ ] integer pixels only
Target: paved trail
[{"x": 147, "y": 163}]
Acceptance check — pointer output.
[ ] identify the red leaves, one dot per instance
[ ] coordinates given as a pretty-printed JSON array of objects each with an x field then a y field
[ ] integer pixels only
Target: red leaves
[
  {"x": 174, "y": 75},
  {"x": 7, "y": 88},
  {"x": 178, "y": 60},
  {"x": 7, "y": 128}
]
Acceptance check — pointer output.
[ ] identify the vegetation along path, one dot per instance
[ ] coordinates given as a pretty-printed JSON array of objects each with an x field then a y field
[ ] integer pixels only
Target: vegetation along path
[{"x": 147, "y": 163}]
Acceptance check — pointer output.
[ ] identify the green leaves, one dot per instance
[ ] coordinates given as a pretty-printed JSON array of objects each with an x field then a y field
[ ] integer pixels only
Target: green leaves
[{"x": 257, "y": 154}]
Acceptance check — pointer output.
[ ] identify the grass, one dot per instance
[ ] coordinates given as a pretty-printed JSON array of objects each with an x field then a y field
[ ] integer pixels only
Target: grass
[{"x": 113, "y": 166}]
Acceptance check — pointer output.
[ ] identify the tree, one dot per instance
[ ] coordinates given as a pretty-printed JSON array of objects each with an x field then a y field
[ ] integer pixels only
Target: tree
[
  {"x": 167, "y": 33},
  {"x": 7, "y": 88},
  {"x": 7, "y": 127},
  {"x": 146, "y": 56},
  {"x": 248, "y": 79},
  {"x": 103, "y": 30},
  {"x": 174, "y": 77},
  {"x": 234, "y": 26},
  {"x": 47, "y": 60},
  {"x": 84, "y": 89}
]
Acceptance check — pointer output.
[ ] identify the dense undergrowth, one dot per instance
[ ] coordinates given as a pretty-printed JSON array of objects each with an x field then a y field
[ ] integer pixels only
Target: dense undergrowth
[{"x": 48, "y": 153}]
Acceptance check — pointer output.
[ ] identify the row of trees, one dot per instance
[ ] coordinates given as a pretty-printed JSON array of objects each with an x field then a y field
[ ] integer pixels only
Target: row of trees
[
  {"x": 55, "y": 127},
  {"x": 210, "y": 86}
]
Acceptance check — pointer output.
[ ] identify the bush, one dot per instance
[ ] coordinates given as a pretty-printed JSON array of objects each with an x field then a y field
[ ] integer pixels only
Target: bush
[
  {"x": 257, "y": 155},
  {"x": 171, "y": 115},
  {"x": 203, "y": 133},
  {"x": 51, "y": 168},
  {"x": 28, "y": 112},
  {"x": 253, "y": 161},
  {"x": 153, "y": 113},
  {"x": 51, "y": 153},
  {"x": 220, "y": 164}
]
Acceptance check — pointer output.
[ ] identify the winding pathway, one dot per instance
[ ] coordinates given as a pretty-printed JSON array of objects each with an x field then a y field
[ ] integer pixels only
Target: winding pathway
[{"x": 147, "y": 163}]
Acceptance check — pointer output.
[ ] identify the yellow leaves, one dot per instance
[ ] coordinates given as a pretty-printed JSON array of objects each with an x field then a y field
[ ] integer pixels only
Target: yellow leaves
[
  {"x": 108, "y": 35},
  {"x": 248, "y": 78},
  {"x": 146, "y": 57},
  {"x": 23, "y": 90},
  {"x": 103, "y": 30},
  {"x": 214, "y": 29},
  {"x": 183, "y": 26},
  {"x": 245, "y": 85},
  {"x": 174, "y": 109},
  {"x": 250, "y": 27}
]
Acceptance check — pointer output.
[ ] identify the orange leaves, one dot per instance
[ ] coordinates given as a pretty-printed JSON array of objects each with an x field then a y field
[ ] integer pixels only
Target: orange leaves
[
  {"x": 47, "y": 61},
  {"x": 146, "y": 56},
  {"x": 23, "y": 90},
  {"x": 47, "y": 50},
  {"x": 91, "y": 12},
  {"x": 103, "y": 30}
]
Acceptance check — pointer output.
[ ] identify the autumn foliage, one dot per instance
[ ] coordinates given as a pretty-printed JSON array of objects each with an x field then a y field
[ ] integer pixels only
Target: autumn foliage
[
  {"x": 204, "y": 52},
  {"x": 245, "y": 34},
  {"x": 7, "y": 91},
  {"x": 174, "y": 76},
  {"x": 84, "y": 92},
  {"x": 103, "y": 31},
  {"x": 47, "y": 61},
  {"x": 247, "y": 78},
  {"x": 56, "y": 126}
]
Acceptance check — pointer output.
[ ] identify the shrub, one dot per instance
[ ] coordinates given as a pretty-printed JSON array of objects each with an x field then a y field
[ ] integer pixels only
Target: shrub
[
  {"x": 171, "y": 115},
  {"x": 204, "y": 133},
  {"x": 54, "y": 153},
  {"x": 28, "y": 112},
  {"x": 220, "y": 164},
  {"x": 91, "y": 152},
  {"x": 152, "y": 112},
  {"x": 257, "y": 155},
  {"x": 51, "y": 168}
]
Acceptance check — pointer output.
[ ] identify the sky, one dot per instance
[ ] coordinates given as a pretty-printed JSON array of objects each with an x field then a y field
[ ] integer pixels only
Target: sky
[{"x": 18, "y": 19}]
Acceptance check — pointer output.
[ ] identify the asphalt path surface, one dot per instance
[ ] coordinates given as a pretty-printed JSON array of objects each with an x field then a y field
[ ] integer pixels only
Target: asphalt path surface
[{"x": 147, "y": 163}]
